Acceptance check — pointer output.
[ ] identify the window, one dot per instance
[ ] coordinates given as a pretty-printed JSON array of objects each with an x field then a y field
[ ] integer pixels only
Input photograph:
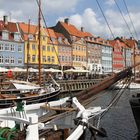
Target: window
[
  {"x": 62, "y": 58},
  {"x": 33, "y": 46},
  {"x": 7, "y": 47},
  {"x": 1, "y": 47},
  {"x": 49, "y": 59},
  {"x": 12, "y": 48},
  {"x": 5, "y": 35},
  {"x": 44, "y": 48},
  {"x": 19, "y": 60},
  {"x": 7, "y": 60},
  {"x": 52, "y": 39},
  {"x": 12, "y": 60},
  {"x": 1, "y": 59},
  {"x": 59, "y": 58},
  {"x": 48, "y": 48},
  {"x": 19, "y": 48},
  {"x": 53, "y": 49},
  {"x": 44, "y": 59},
  {"x": 60, "y": 40},
  {"x": 16, "y": 36},
  {"x": 44, "y": 38},
  {"x": 33, "y": 58},
  {"x": 53, "y": 59}
]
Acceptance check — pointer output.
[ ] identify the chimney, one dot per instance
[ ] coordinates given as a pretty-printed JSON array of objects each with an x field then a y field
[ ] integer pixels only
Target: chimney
[
  {"x": 66, "y": 20},
  {"x": 82, "y": 29},
  {"x": 5, "y": 20},
  {"x": 131, "y": 38}
]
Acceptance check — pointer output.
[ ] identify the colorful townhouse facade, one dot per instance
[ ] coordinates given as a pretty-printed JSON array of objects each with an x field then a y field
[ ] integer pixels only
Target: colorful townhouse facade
[
  {"x": 76, "y": 39},
  {"x": 64, "y": 52},
  {"x": 121, "y": 54},
  {"x": 52, "y": 50},
  {"x": 48, "y": 46},
  {"x": 11, "y": 45},
  {"x": 106, "y": 56}
]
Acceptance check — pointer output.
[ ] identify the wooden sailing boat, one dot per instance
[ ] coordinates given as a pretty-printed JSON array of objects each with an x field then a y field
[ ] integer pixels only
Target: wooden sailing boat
[{"x": 21, "y": 90}]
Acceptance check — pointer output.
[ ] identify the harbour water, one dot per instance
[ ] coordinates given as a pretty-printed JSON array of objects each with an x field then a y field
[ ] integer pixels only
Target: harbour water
[{"x": 119, "y": 121}]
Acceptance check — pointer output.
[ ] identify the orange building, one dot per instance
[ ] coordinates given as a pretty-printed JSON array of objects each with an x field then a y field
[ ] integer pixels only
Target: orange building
[{"x": 77, "y": 41}]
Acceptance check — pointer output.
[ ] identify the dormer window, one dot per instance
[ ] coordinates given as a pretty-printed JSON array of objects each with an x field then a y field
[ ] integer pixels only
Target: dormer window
[
  {"x": 30, "y": 36},
  {"x": 74, "y": 38},
  {"x": 52, "y": 39},
  {"x": 5, "y": 35},
  {"x": 16, "y": 36},
  {"x": 60, "y": 39}
]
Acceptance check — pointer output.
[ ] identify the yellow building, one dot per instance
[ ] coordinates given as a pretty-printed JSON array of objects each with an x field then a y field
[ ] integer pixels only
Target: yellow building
[{"x": 48, "y": 55}]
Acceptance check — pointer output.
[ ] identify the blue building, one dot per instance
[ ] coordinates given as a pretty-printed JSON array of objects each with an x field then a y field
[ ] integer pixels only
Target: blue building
[
  {"x": 106, "y": 57},
  {"x": 11, "y": 45}
]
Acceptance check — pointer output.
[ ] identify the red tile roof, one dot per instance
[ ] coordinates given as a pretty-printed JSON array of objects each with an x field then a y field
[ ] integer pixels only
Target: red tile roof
[
  {"x": 72, "y": 30},
  {"x": 11, "y": 27},
  {"x": 51, "y": 33},
  {"x": 24, "y": 27}
]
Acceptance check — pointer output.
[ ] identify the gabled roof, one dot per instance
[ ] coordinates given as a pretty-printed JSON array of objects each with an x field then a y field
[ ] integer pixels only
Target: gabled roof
[
  {"x": 51, "y": 33},
  {"x": 63, "y": 38},
  {"x": 24, "y": 27},
  {"x": 72, "y": 30},
  {"x": 52, "y": 38},
  {"x": 131, "y": 42},
  {"x": 10, "y": 26}
]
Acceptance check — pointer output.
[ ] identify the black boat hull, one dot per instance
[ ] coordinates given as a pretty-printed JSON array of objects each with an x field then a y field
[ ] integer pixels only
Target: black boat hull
[
  {"x": 5, "y": 103},
  {"x": 135, "y": 105}
]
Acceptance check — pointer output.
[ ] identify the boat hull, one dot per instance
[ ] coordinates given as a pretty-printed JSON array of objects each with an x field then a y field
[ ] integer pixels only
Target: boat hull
[
  {"x": 5, "y": 103},
  {"x": 135, "y": 105}
]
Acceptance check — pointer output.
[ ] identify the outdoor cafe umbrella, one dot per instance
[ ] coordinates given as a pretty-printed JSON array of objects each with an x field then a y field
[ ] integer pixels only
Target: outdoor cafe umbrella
[
  {"x": 52, "y": 70},
  {"x": 33, "y": 70},
  {"x": 3, "y": 69},
  {"x": 76, "y": 71},
  {"x": 16, "y": 69}
]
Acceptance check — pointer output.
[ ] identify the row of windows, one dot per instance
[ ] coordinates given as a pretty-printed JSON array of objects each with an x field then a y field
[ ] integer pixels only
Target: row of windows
[
  {"x": 49, "y": 48},
  {"x": 65, "y": 49},
  {"x": 9, "y": 47},
  {"x": 10, "y": 60},
  {"x": 79, "y": 58},
  {"x": 5, "y": 35},
  {"x": 80, "y": 48},
  {"x": 118, "y": 62},
  {"x": 106, "y": 55},
  {"x": 104, "y": 62},
  {"x": 44, "y": 58},
  {"x": 65, "y": 58}
]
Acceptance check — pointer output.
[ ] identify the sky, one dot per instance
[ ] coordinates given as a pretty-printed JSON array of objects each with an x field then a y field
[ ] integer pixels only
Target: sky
[{"x": 81, "y": 13}]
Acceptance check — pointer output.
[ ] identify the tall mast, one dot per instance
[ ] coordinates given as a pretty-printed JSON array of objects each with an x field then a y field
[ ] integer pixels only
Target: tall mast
[
  {"x": 28, "y": 44},
  {"x": 39, "y": 43},
  {"x": 134, "y": 57}
]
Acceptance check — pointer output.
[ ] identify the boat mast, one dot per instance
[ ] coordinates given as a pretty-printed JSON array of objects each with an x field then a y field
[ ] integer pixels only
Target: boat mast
[
  {"x": 39, "y": 43},
  {"x": 28, "y": 45},
  {"x": 134, "y": 57}
]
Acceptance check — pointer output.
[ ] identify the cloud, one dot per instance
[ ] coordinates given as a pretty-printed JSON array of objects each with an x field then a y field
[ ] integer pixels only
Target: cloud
[
  {"x": 60, "y": 6},
  {"x": 96, "y": 24},
  {"x": 25, "y": 9},
  {"x": 110, "y": 2}
]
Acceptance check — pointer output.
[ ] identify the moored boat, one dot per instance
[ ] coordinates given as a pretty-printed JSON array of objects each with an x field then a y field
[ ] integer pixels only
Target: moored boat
[{"x": 28, "y": 92}]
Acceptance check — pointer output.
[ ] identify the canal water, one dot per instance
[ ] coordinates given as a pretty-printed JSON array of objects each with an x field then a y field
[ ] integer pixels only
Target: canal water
[{"x": 118, "y": 122}]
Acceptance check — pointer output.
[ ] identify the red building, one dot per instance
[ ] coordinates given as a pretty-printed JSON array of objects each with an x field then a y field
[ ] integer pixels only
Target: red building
[{"x": 118, "y": 60}]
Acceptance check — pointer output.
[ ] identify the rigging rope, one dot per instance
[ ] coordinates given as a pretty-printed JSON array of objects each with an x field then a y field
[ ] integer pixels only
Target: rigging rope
[
  {"x": 123, "y": 18},
  {"x": 116, "y": 98},
  {"x": 105, "y": 19},
  {"x": 130, "y": 19}
]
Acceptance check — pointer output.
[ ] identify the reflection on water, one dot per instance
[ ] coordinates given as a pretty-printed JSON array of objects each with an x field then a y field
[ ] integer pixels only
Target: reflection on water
[{"x": 118, "y": 122}]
